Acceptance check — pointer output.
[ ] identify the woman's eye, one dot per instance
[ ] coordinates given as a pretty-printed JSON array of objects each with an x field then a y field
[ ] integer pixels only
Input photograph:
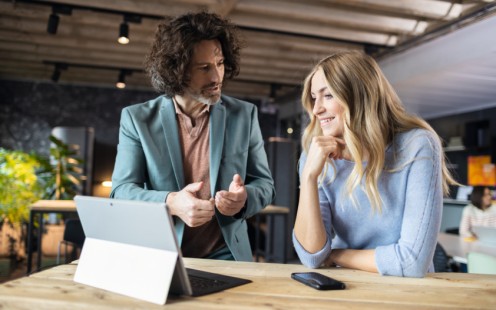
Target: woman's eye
[{"x": 328, "y": 96}]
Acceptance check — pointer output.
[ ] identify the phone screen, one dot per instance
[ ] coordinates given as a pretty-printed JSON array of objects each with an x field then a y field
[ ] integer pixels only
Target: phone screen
[{"x": 318, "y": 281}]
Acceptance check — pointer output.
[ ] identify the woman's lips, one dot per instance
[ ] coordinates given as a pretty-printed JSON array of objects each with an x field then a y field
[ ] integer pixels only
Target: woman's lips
[{"x": 326, "y": 121}]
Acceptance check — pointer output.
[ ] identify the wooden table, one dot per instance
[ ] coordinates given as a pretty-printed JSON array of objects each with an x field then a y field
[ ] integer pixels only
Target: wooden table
[
  {"x": 272, "y": 288},
  {"x": 39, "y": 208},
  {"x": 456, "y": 247}
]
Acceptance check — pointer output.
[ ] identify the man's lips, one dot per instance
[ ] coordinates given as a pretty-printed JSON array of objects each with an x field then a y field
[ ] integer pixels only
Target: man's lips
[{"x": 213, "y": 88}]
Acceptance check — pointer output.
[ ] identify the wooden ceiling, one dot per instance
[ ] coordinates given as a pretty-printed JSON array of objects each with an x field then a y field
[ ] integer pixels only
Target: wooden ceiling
[{"x": 283, "y": 38}]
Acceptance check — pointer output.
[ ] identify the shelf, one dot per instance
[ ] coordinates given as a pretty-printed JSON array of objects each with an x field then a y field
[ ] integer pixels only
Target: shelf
[{"x": 454, "y": 148}]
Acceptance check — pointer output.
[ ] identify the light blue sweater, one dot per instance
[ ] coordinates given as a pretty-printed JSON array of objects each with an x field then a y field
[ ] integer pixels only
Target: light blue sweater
[{"x": 404, "y": 235}]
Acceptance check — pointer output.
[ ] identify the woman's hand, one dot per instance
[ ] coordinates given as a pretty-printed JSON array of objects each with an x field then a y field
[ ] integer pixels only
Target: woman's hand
[{"x": 322, "y": 148}]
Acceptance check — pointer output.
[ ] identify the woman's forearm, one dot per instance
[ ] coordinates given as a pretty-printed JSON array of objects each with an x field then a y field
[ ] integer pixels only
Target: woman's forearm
[
  {"x": 354, "y": 259},
  {"x": 309, "y": 227}
]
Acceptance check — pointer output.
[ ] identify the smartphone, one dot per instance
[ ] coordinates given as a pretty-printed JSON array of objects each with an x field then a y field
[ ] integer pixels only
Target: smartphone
[{"x": 318, "y": 281}]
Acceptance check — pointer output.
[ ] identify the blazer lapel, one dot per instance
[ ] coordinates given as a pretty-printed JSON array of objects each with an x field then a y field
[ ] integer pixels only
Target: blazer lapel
[
  {"x": 217, "y": 130},
  {"x": 169, "y": 125}
]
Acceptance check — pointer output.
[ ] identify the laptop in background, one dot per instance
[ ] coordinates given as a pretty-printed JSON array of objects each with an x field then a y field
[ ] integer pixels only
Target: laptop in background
[
  {"x": 131, "y": 248},
  {"x": 485, "y": 235}
]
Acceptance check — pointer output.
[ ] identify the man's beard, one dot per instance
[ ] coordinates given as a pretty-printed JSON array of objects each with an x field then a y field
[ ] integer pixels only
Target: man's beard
[{"x": 203, "y": 98}]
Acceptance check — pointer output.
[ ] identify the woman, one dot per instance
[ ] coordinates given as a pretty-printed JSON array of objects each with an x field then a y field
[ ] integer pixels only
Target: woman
[
  {"x": 372, "y": 176},
  {"x": 479, "y": 213}
]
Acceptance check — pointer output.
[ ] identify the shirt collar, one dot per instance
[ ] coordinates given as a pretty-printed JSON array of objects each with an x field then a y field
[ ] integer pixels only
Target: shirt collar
[{"x": 179, "y": 111}]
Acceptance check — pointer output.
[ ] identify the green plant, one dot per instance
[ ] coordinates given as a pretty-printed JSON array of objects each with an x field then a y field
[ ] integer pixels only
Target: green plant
[
  {"x": 28, "y": 177},
  {"x": 62, "y": 174},
  {"x": 19, "y": 184},
  {"x": 19, "y": 188}
]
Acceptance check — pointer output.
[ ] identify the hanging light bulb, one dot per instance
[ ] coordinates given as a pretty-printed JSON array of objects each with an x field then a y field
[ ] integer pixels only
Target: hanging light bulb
[
  {"x": 121, "y": 81},
  {"x": 123, "y": 34}
]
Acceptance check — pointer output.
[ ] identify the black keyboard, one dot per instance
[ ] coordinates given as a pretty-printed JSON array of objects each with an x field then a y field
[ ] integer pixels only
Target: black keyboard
[
  {"x": 203, "y": 282},
  {"x": 199, "y": 282}
]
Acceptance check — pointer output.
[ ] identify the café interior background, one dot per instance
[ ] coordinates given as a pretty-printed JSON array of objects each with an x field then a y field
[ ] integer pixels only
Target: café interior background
[{"x": 60, "y": 61}]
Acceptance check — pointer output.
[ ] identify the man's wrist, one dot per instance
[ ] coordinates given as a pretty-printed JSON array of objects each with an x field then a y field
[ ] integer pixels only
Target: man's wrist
[
  {"x": 242, "y": 211},
  {"x": 168, "y": 202}
]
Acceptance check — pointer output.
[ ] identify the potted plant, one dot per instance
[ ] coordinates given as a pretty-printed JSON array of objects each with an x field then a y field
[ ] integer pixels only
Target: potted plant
[
  {"x": 62, "y": 181},
  {"x": 62, "y": 174},
  {"x": 26, "y": 178},
  {"x": 20, "y": 187}
]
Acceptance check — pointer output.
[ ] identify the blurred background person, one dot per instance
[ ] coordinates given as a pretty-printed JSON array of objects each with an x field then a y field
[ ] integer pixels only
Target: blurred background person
[{"x": 481, "y": 211}]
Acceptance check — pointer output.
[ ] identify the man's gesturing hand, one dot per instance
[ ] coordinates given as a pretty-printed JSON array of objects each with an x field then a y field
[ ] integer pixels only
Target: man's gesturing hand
[
  {"x": 193, "y": 211},
  {"x": 231, "y": 202}
]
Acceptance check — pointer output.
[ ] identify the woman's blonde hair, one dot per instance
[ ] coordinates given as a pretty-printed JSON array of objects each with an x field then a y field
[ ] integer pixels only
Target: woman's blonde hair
[{"x": 373, "y": 114}]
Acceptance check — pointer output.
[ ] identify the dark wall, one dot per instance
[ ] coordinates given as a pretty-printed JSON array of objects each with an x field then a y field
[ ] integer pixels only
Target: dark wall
[{"x": 30, "y": 110}]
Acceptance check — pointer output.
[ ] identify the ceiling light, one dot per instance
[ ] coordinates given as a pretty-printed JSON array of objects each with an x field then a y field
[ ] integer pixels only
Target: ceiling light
[
  {"x": 124, "y": 27},
  {"x": 53, "y": 23},
  {"x": 57, "y": 71},
  {"x": 54, "y": 18},
  {"x": 56, "y": 74},
  {"x": 123, "y": 34},
  {"x": 121, "y": 81},
  {"x": 60, "y": 66}
]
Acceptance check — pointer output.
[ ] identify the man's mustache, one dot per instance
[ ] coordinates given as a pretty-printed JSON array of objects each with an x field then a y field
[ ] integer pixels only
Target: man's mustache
[{"x": 212, "y": 85}]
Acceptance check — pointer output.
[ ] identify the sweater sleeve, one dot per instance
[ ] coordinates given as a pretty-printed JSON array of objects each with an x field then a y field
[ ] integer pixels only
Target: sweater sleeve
[
  {"x": 315, "y": 260},
  {"x": 412, "y": 254}
]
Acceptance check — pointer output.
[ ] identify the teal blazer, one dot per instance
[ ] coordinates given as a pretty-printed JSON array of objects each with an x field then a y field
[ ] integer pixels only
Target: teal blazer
[{"x": 149, "y": 164}]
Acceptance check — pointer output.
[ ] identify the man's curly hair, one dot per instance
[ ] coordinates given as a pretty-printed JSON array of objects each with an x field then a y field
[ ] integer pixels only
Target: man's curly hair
[{"x": 172, "y": 50}]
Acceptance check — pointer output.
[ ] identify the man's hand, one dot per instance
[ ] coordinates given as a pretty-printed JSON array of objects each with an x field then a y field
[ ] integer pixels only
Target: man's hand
[
  {"x": 231, "y": 202},
  {"x": 193, "y": 211}
]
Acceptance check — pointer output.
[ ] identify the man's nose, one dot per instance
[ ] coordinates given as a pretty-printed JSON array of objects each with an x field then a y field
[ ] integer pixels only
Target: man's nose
[{"x": 217, "y": 74}]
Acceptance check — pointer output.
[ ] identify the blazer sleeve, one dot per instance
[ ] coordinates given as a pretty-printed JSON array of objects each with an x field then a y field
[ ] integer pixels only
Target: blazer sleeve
[
  {"x": 130, "y": 171},
  {"x": 258, "y": 182}
]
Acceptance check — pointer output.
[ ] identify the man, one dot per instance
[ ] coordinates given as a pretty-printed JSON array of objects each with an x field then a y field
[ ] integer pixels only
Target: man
[{"x": 200, "y": 152}]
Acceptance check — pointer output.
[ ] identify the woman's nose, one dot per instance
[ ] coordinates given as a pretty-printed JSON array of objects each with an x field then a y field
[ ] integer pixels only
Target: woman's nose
[{"x": 317, "y": 108}]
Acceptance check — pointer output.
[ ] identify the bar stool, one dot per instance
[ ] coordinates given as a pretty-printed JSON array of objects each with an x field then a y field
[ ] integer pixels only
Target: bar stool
[{"x": 270, "y": 212}]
